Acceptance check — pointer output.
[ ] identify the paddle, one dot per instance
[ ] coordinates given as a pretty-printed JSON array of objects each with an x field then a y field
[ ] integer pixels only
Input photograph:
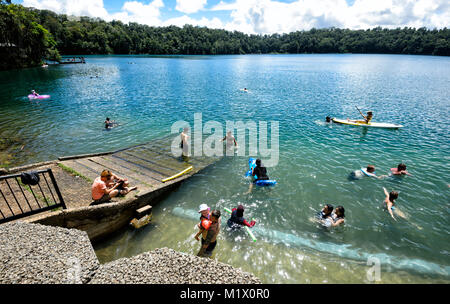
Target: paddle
[{"x": 360, "y": 112}]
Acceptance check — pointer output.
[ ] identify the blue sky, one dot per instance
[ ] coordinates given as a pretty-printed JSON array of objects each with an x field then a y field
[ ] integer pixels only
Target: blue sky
[{"x": 260, "y": 16}]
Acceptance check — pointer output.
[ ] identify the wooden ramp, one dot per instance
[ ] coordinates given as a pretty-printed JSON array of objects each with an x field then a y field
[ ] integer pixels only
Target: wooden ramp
[{"x": 144, "y": 165}]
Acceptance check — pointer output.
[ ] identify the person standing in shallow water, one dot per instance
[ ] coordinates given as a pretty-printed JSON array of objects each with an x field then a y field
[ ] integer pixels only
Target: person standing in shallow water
[
  {"x": 231, "y": 144},
  {"x": 184, "y": 145},
  {"x": 210, "y": 241}
]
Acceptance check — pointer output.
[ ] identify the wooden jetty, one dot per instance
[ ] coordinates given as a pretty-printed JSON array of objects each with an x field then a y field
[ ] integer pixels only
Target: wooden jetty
[
  {"x": 151, "y": 167},
  {"x": 146, "y": 166},
  {"x": 71, "y": 60}
]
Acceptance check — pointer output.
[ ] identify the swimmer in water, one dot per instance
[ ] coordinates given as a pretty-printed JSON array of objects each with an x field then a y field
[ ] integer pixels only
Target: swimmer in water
[
  {"x": 324, "y": 215},
  {"x": 389, "y": 203},
  {"x": 237, "y": 219},
  {"x": 370, "y": 172},
  {"x": 261, "y": 174},
  {"x": 338, "y": 216},
  {"x": 328, "y": 119},
  {"x": 325, "y": 212},
  {"x": 109, "y": 124},
  {"x": 400, "y": 170}
]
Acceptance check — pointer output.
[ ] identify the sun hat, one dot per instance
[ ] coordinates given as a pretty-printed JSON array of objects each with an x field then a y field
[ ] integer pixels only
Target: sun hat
[{"x": 203, "y": 207}]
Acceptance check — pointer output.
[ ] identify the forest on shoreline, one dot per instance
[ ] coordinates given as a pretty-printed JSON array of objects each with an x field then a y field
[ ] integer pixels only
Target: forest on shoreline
[{"x": 28, "y": 36}]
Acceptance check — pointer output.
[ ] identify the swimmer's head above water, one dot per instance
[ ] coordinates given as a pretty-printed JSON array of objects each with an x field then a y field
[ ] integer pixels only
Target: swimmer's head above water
[{"x": 371, "y": 168}]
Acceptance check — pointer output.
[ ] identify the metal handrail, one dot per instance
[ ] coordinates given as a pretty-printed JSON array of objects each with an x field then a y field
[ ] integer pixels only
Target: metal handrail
[{"x": 14, "y": 200}]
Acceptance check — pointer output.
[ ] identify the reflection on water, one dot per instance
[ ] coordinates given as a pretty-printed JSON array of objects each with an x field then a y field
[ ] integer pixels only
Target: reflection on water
[{"x": 298, "y": 91}]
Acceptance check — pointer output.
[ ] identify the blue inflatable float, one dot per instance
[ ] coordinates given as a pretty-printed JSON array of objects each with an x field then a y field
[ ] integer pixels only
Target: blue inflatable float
[{"x": 263, "y": 182}]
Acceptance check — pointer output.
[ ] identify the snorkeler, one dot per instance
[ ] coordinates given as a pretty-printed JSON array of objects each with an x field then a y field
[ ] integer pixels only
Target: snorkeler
[{"x": 237, "y": 219}]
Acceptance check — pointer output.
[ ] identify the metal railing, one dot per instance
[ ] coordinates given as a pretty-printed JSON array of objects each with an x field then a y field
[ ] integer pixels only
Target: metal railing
[{"x": 18, "y": 200}]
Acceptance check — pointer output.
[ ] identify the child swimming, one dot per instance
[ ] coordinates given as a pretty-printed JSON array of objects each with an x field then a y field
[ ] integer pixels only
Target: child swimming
[{"x": 389, "y": 203}]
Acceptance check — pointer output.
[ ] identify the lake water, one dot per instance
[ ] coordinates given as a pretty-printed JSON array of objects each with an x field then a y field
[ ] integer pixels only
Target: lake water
[{"x": 148, "y": 94}]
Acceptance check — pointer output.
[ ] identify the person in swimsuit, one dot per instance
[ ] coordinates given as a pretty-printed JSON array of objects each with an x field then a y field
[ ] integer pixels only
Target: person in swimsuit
[
  {"x": 367, "y": 118},
  {"x": 237, "y": 219},
  {"x": 123, "y": 182},
  {"x": 369, "y": 171},
  {"x": 109, "y": 124},
  {"x": 389, "y": 203},
  {"x": 185, "y": 144},
  {"x": 338, "y": 216},
  {"x": 324, "y": 216},
  {"x": 210, "y": 241},
  {"x": 400, "y": 170},
  {"x": 259, "y": 173},
  {"x": 231, "y": 144},
  {"x": 205, "y": 223},
  {"x": 325, "y": 212}
]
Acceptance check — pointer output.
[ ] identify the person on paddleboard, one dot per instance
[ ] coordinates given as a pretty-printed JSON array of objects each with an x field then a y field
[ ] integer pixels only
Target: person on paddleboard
[
  {"x": 34, "y": 93},
  {"x": 367, "y": 118}
]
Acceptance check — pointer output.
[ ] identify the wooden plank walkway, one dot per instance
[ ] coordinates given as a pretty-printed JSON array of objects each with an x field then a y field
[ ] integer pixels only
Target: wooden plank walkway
[{"x": 143, "y": 165}]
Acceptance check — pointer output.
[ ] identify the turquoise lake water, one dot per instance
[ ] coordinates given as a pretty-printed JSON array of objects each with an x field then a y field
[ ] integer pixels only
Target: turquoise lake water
[{"x": 148, "y": 94}]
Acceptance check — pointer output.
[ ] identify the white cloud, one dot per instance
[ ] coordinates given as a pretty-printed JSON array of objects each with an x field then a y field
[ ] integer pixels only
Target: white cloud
[
  {"x": 270, "y": 16},
  {"x": 190, "y": 6},
  {"x": 134, "y": 11},
  {"x": 92, "y": 8}
]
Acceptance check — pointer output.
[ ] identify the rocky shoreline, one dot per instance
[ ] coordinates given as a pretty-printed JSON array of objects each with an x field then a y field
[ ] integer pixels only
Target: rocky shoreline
[{"x": 38, "y": 254}]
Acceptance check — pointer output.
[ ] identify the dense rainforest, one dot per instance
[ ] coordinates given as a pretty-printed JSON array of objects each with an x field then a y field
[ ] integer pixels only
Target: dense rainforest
[{"x": 28, "y": 35}]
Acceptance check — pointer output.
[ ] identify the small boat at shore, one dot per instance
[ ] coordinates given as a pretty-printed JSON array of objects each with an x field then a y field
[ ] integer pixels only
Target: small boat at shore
[{"x": 360, "y": 123}]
